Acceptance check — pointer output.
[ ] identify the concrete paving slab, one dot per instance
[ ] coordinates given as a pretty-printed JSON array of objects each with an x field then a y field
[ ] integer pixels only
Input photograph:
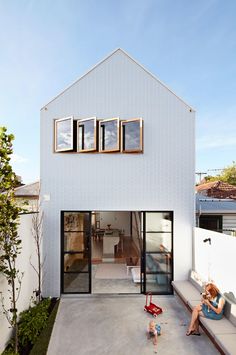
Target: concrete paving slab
[{"x": 117, "y": 324}]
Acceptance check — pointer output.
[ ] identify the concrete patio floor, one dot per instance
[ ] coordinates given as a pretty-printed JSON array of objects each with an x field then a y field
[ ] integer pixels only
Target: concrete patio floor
[{"x": 116, "y": 325}]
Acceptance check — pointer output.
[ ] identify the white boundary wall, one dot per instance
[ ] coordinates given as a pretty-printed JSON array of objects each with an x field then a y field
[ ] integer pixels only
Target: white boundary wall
[
  {"x": 217, "y": 261},
  {"x": 29, "y": 282}
]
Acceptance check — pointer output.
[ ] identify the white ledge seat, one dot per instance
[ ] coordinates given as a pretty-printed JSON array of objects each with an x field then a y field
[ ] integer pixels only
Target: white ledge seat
[
  {"x": 186, "y": 291},
  {"x": 222, "y": 332}
]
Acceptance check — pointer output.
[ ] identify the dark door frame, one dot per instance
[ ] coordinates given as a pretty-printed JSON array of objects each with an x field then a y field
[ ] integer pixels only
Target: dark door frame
[
  {"x": 88, "y": 251},
  {"x": 144, "y": 252},
  {"x": 143, "y": 274}
]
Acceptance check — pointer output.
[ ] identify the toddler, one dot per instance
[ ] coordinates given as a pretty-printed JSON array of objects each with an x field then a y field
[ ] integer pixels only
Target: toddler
[{"x": 152, "y": 332}]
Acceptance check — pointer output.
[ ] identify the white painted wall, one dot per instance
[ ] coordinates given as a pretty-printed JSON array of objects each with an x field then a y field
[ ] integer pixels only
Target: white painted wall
[
  {"x": 216, "y": 261},
  {"x": 29, "y": 282},
  {"x": 118, "y": 220},
  {"x": 160, "y": 179}
]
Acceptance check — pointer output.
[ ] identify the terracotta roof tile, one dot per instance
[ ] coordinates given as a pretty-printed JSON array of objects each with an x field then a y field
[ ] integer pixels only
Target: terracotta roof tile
[{"x": 217, "y": 189}]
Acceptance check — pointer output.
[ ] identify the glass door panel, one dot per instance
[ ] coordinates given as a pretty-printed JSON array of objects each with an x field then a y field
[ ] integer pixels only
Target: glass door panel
[
  {"x": 158, "y": 254},
  {"x": 76, "y": 254}
]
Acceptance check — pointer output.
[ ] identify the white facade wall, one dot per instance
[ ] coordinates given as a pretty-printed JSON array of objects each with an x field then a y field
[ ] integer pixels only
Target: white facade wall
[
  {"x": 29, "y": 282},
  {"x": 162, "y": 178}
]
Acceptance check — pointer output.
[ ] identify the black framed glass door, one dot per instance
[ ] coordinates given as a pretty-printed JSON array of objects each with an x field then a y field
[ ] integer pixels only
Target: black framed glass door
[
  {"x": 157, "y": 256},
  {"x": 76, "y": 252}
]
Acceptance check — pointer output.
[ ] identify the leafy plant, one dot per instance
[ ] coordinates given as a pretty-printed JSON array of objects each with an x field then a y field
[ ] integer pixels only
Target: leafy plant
[
  {"x": 228, "y": 175},
  {"x": 32, "y": 322},
  {"x": 10, "y": 243}
]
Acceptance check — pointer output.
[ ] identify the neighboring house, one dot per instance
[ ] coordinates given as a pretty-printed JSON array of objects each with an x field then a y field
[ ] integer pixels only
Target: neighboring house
[
  {"x": 117, "y": 183},
  {"x": 216, "y": 214},
  {"x": 216, "y": 207},
  {"x": 217, "y": 189},
  {"x": 27, "y": 196}
]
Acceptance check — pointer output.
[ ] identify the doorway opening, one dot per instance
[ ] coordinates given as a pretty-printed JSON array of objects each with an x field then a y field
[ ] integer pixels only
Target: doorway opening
[{"x": 116, "y": 252}]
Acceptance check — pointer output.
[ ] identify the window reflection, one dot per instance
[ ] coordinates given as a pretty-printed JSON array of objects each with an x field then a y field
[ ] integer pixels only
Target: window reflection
[
  {"x": 86, "y": 130},
  {"x": 63, "y": 134},
  {"x": 109, "y": 135},
  {"x": 132, "y": 135}
]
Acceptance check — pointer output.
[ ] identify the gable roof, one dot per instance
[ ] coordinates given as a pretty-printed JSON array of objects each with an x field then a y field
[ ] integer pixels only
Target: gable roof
[
  {"x": 28, "y": 190},
  {"x": 106, "y": 58},
  {"x": 217, "y": 189}
]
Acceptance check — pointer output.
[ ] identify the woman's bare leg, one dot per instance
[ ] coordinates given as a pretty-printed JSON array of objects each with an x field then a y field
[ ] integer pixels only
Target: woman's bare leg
[{"x": 194, "y": 323}]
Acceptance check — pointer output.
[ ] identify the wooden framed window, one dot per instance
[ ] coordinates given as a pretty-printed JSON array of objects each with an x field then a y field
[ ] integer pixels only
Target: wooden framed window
[
  {"x": 87, "y": 135},
  {"x": 132, "y": 136},
  {"x": 109, "y": 135},
  {"x": 63, "y": 134}
]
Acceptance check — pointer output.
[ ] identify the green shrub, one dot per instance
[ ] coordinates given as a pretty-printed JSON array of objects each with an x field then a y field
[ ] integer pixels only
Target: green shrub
[
  {"x": 9, "y": 352},
  {"x": 32, "y": 322}
]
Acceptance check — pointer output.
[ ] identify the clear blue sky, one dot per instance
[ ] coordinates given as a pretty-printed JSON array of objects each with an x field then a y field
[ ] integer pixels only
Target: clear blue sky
[{"x": 189, "y": 45}]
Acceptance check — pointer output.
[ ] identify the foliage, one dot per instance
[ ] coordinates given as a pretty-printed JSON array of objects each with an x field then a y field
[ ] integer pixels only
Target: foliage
[
  {"x": 9, "y": 352},
  {"x": 228, "y": 175},
  {"x": 32, "y": 321},
  {"x": 10, "y": 243},
  {"x": 41, "y": 345}
]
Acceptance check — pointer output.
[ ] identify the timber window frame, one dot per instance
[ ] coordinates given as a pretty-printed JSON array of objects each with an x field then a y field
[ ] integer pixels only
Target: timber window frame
[
  {"x": 81, "y": 131},
  {"x": 105, "y": 136},
  {"x": 57, "y": 123},
  {"x": 139, "y": 138}
]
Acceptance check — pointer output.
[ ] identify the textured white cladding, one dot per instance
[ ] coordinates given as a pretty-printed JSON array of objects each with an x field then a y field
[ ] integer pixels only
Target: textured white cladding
[{"x": 162, "y": 178}]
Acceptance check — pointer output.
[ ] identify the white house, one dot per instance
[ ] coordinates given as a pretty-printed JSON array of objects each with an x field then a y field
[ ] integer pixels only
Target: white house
[{"x": 117, "y": 183}]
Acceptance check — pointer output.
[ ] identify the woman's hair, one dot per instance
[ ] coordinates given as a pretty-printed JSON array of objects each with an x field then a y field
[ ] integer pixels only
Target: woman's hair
[{"x": 212, "y": 289}]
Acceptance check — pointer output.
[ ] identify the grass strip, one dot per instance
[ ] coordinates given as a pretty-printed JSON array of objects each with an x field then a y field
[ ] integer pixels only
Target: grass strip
[{"x": 41, "y": 346}]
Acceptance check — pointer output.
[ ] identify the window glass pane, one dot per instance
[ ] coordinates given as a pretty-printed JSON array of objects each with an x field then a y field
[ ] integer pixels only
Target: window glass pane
[
  {"x": 158, "y": 242},
  {"x": 75, "y": 221},
  {"x": 109, "y": 135},
  {"x": 158, "y": 283},
  {"x": 74, "y": 241},
  {"x": 64, "y": 137},
  {"x": 132, "y": 135},
  {"x": 86, "y": 135},
  {"x": 76, "y": 282},
  {"x": 75, "y": 262},
  {"x": 158, "y": 222},
  {"x": 158, "y": 263}
]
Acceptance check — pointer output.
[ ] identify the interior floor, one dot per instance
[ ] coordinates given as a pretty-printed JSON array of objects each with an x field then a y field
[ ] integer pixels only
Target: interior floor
[{"x": 115, "y": 276}]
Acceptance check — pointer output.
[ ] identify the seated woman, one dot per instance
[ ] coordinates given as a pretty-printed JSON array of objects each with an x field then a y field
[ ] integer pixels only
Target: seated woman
[{"x": 211, "y": 307}]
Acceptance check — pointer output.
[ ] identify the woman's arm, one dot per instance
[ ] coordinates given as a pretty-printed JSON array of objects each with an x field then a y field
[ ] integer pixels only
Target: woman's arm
[{"x": 220, "y": 305}]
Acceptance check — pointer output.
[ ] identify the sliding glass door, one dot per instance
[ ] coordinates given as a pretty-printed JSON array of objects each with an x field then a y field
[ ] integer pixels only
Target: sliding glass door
[
  {"x": 157, "y": 261},
  {"x": 76, "y": 252}
]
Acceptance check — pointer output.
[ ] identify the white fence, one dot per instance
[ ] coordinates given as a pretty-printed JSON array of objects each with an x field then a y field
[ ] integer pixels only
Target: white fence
[
  {"x": 29, "y": 282},
  {"x": 216, "y": 261}
]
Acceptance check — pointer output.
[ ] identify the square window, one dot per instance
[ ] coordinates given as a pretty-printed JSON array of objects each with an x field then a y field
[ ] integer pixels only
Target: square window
[
  {"x": 109, "y": 135},
  {"x": 87, "y": 135},
  {"x": 63, "y": 134},
  {"x": 132, "y": 136}
]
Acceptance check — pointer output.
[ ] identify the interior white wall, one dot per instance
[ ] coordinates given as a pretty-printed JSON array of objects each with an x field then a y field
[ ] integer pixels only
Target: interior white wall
[
  {"x": 29, "y": 282},
  {"x": 118, "y": 220},
  {"x": 160, "y": 179}
]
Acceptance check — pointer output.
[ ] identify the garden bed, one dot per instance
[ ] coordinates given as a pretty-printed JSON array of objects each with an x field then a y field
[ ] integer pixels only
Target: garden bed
[{"x": 35, "y": 328}]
